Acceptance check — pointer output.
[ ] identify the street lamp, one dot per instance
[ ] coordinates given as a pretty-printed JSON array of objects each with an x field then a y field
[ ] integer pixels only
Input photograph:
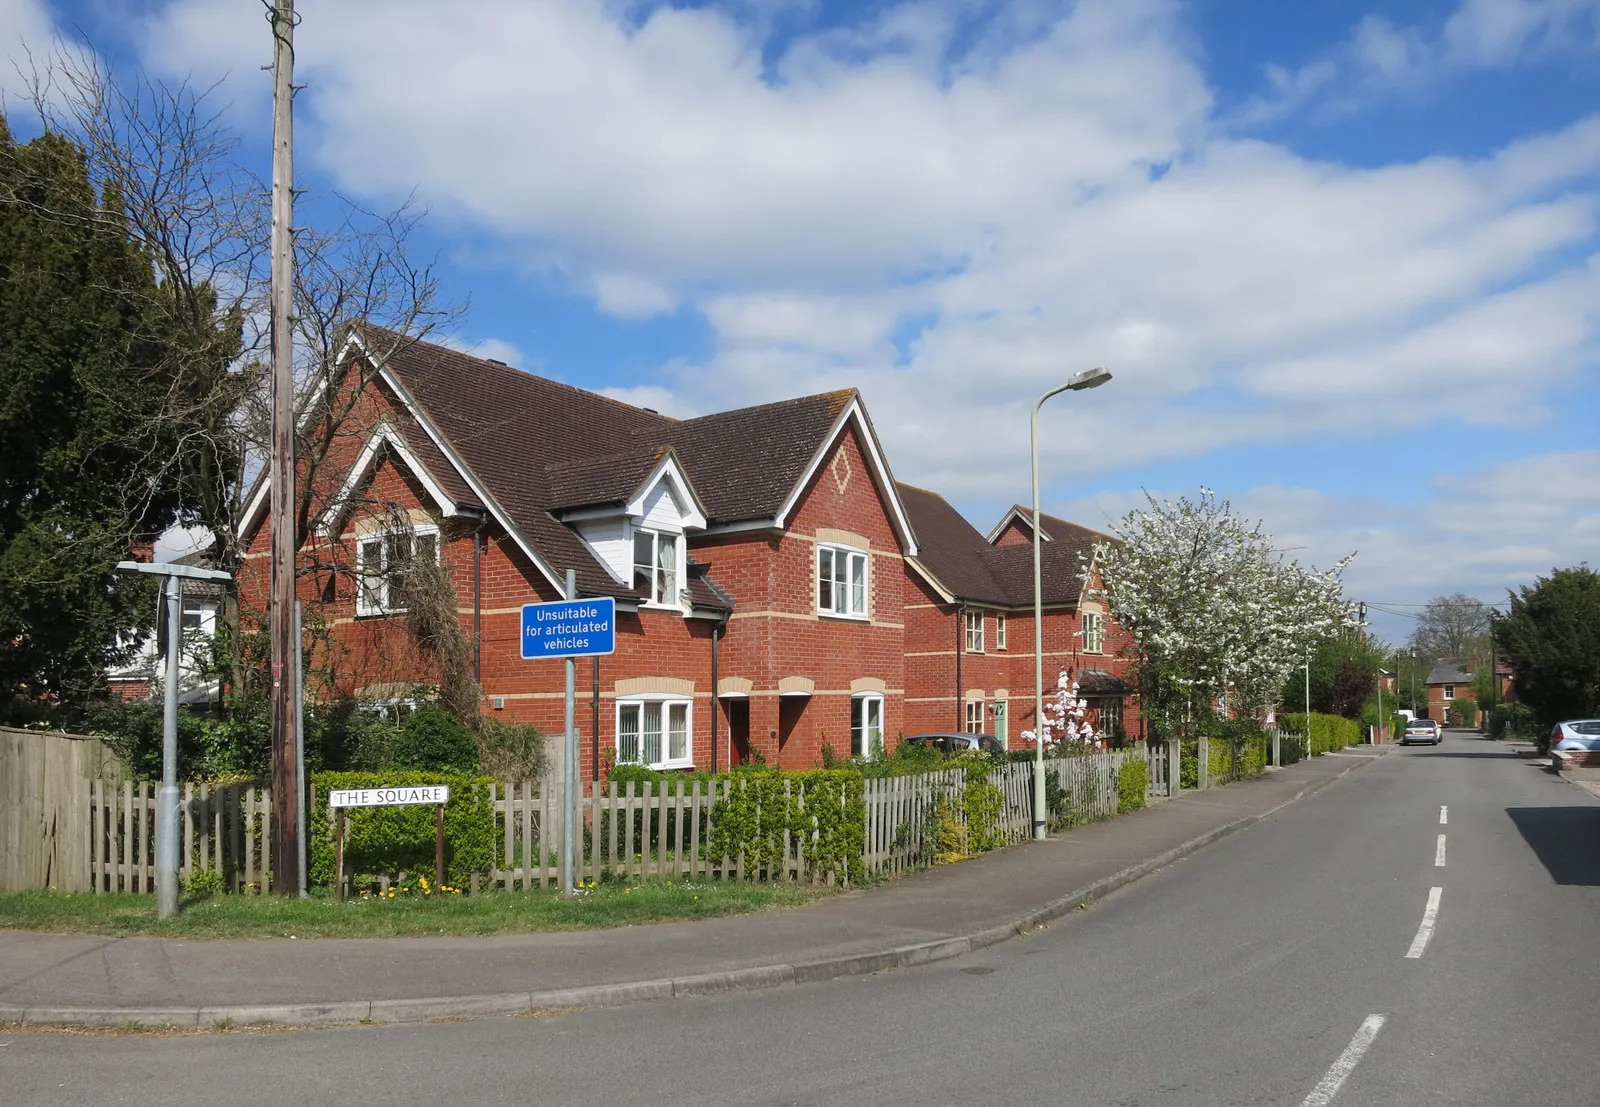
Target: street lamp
[
  {"x": 1090, "y": 378},
  {"x": 167, "y": 796}
]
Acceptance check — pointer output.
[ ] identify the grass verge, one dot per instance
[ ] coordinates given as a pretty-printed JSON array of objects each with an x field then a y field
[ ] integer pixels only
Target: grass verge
[{"x": 406, "y": 914}]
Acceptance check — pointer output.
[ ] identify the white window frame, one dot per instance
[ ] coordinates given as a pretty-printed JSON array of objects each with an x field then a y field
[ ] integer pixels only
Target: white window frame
[
  {"x": 1094, "y": 632},
  {"x": 972, "y": 627},
  {"x": 665, "y": 706},
  {"x": 972, "y": 722},
  {"x": 383, "y": 603},
  {"x": 1449, "y": 691},
  {"x": 671, "y": 597},
  {"x": 999, "y": 630},
  {"x": 852, "y": 587},
  {"x": 861, "y": 732}
]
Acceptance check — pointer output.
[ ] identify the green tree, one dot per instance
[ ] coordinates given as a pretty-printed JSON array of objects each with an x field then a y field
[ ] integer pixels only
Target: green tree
[
  {"x": 1344, "y": 675},
  {"x": 99, "y": 394},
  {"x": 1551, "y": 638}
]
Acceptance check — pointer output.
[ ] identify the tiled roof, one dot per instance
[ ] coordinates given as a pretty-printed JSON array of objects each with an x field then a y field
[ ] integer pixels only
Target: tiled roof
[
  {"x": 745, "y": 463},
  {"x": 536, "y": 446},
  {"x": 970, "y": 568},
  {"x": 1448, "y": 672}
]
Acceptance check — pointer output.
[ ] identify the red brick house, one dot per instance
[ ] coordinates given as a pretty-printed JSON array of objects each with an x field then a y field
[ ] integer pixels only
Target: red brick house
[
  {"x": 969, "y": 623},
  {"x": 769, "y": 594}
]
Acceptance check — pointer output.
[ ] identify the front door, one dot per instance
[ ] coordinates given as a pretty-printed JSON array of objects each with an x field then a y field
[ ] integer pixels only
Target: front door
[{"x": 1000, "y": 723}]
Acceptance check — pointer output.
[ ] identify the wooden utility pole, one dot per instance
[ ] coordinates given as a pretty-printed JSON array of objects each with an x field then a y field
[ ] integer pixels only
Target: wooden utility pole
[{"x": 285, "y": 698}]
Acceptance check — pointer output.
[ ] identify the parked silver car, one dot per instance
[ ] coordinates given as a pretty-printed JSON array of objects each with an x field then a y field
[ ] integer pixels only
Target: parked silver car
[
  {"x": 1421, "y": 730},
  {"x": 1577, "y": 734}
]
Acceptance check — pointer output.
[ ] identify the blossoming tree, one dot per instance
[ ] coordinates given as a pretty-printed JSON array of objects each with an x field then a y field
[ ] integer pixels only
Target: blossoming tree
[
  {"x": 1213, "y": 609},
  {"x": 1066, "y": 719}
]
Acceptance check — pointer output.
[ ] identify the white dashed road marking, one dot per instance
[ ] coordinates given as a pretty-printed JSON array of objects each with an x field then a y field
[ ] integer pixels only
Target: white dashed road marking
[
  {"x": 1438, "y": 854},
  {"x": 1430, "y": 915},
  {"x": 1444, "y": 816},
  {"x": 1329, "y": 1086}
]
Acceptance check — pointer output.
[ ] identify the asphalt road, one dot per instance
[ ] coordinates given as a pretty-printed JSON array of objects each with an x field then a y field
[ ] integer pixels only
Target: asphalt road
[{"x": 1294, "y": 963}]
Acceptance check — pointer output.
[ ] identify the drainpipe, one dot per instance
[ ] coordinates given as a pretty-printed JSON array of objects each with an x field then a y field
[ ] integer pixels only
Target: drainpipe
[
  {"x": 477, "y": 601},
  {"x": 961, "y": 641},
  {"x": 716, "y": 633}
]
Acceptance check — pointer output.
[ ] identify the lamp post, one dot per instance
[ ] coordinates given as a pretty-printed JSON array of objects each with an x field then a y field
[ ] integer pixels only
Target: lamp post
[
  {"x": 167, "y": 795},
  {"x": 1090, "y": 378}
]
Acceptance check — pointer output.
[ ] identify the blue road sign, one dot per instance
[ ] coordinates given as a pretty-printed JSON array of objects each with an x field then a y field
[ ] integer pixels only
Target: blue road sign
[{"x": 569, "y": 628}]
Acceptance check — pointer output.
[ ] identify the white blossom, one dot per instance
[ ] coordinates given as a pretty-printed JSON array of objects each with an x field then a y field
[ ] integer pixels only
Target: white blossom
[
  {"x": 1065, "y": 719},
  {"x": 1208, "y": 598}
]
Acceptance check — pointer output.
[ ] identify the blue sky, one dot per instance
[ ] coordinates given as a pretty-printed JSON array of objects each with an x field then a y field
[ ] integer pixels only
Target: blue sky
[{"x": 1340, "y": 256}]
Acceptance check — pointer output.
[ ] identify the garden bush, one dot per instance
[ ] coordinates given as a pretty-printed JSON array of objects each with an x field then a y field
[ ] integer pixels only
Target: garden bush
[
  {"x": 391, "y": 840},
  {"x": 1325, "y": 733},
  {"x": 432, "y": 739},
  {"x": 1509, "y": 721},
  {"x": 822, "y": 808},
  {"x": 1133, "y": 781}
]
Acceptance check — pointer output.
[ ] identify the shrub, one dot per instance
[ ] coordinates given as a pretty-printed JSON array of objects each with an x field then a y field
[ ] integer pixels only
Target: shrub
[
  {"x": 1133, "y": 781},
  {"x": 822, "y": 809},
  {"x": 391, "y": 840},
  {"x": 1516, "y": 720},
  {"x": 510, "y": 751},
  {"x": 432, "y": 739},
  {"x": 1325, "y": 733}
]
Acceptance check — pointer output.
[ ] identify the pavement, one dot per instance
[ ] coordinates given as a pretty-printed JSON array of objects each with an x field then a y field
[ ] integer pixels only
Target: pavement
[{"x": 945, "y": 912}]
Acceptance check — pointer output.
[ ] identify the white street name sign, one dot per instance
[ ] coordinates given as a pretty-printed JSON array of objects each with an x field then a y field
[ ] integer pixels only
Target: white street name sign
[{"x": 388, "y": 797}]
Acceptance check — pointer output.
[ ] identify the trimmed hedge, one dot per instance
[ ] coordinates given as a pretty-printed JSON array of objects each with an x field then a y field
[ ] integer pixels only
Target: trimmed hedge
[
  {"x": 1326, "y": 733},
  {"x": 830, "y": 822},
  {"x": 1133, "y": 779},
  {"x": 391, "y": 840}
]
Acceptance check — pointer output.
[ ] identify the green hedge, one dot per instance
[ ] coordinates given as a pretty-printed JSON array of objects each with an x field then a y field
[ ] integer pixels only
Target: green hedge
[
  {"x": 830, "y": 822},
  {"x": 1133, "y": 780},
  {"x": 1326, "y": 733},
  {"x": 391, "y": 840}
]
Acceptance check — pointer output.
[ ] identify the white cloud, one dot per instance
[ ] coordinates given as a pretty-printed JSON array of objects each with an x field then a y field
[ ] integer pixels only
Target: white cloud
[
  {"x": 1480, "y": 532},
  {"x": 27, "y": 33},
  {"x": 1381, "y": 60},
  {"x": 955, "y": 220}
]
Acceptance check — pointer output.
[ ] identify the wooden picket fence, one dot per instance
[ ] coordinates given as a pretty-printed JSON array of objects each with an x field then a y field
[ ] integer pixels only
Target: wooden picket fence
[
  {"x": 631, "y": 830},
  {"x": 225, "y": 828}
]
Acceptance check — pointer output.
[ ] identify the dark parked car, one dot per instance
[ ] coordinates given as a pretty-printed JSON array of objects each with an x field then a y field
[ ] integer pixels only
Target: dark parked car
[{"x": 953, "y": 742}]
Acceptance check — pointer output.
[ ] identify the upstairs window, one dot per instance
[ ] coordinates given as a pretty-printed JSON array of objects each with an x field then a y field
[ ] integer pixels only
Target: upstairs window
[
  {"x": 654, "y": 733},
  {"x": 842, "y": 582},
  {"x": 1449, "y": 691},
  {"x": 866, "y": 725},
  {"x": 974, "y": 628},
  {"x": 656, "y": 558},
  {"x": 999, "y": 631},
  {"x": 1094, "y": 632},
  {"x": 381, "y": 562}
]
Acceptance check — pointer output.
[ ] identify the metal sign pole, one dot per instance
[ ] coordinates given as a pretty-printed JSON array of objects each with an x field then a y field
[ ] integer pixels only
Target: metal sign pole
[
  {"x": 569, "y": 760},
  {"x": 300, "y": 740},
  {"x": 167, "y": 797}
]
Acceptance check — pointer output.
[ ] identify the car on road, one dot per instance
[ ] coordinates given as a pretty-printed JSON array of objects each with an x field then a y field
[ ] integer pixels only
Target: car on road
[
  {"x": 1421, "y": 730},
  {"x": 954, "y": 742},
  {"x": 1576, "y": 734}
]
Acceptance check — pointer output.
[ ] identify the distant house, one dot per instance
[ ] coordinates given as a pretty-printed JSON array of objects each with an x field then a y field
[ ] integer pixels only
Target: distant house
[
  {"x": 1449, "y": 681},
  {"x": 140, "y": 678},
  {"x": 969, "y": 631}
]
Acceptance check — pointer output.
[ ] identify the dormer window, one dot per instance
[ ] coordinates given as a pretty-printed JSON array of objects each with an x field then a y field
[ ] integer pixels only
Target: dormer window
[{"x": 657, "y": 558}]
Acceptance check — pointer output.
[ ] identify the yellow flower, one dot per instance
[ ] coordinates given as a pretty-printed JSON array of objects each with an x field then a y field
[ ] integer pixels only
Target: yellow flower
[{"x": 627, "y": 891}]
